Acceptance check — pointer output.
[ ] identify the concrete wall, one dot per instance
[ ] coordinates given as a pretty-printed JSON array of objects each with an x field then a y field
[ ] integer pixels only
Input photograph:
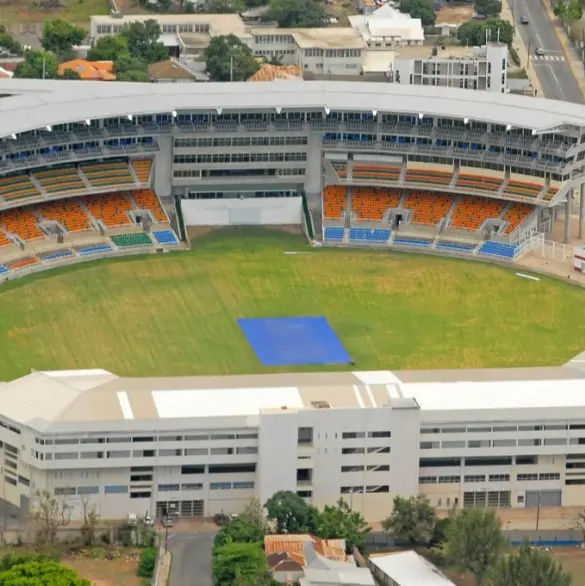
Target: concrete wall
[{"x": 279, "y": 211}]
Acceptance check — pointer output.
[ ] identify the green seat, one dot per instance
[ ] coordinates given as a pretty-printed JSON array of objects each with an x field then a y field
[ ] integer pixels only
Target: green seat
[{"x": 128, "y": 240}]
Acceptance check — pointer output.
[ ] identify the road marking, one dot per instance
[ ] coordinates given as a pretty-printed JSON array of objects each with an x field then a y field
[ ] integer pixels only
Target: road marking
[
  {"x": 548, "y": 58},
  {"x": 557, "y": 80}
]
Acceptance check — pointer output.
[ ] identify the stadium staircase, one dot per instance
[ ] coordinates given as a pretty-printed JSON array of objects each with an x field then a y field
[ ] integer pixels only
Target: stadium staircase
[
  {"x": 133, "y": 173},
  {"x": 402, "y": 174},
  {"x": 455, "y": 178},
  {"x": 348, "y": 212},
  {"x": 84, "y": 179},
  {"x": 38, "y": 185}
]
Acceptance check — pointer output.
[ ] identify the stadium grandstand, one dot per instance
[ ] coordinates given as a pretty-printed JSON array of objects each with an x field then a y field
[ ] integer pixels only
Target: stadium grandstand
[{"x": 104, "y": 169}]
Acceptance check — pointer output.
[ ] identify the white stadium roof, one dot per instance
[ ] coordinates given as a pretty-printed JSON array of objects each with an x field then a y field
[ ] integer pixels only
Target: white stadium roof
[
  {"x": 53, "y": 401},
  {"x": 29, "y": 104}
]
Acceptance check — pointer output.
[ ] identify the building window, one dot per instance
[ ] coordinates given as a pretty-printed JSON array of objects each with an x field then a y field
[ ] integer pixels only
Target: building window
[
  {"x": 549, "y": 476},
  {"x": 353, "y": 435},
  {"x": 499, "y": 477},
  {"x": 115, "y": 489},
  {"x": 525, "y": 477},
  {"x": 88, "y": 490},
  {"x": 220, "y": 485},
  {"x": 474, "y": 478},
  {"x": 168, "y": 487},
  {"x": 63, "y": 490}
]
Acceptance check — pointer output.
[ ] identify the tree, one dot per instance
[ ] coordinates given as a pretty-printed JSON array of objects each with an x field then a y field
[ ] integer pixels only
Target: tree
[
  {"x": 229, "y": 59},
  {"x": 147, "y": 562},
  {"x": 579, "y": 524},
  {"x": 341, "y": 522},
  {"x": 239, "y": 531},
  {"x": 528, "y": 567},
  {"x": 37, "y": 65},
  {"x": 475, "y": 33},
  {"x": 254, "y": 512},
  {"x": 59, "y": 36},
  {"x": 440, "y": 531},
  {"x": 474, "y": 542},
  {"x": 40, "y": 572},
  {"x": 423, "y": 9},
  {"x": 128, "y": 68},
  {"x": 487, "y": 7},
  {"x": 297, "y": 13},
  {"x": 70, "y": 74},
  {"x": 412, "y": 520},
  {"x": 569, "y": 12},
  {"x": 50, "y": 514},
  {"x": 109, "y": 48},
  {"x": 236, "y": 563},
  {"x": 142, "y": 39},
  {"x": 7, "y": 43},
  {"x": 224, "y": 6},
  {"x": 90, "y": 519},
  {"x": 291, "y": 513}
]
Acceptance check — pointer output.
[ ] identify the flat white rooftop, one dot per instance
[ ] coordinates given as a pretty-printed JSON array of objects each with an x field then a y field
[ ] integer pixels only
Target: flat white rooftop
[{"x": 409, "y": 569}]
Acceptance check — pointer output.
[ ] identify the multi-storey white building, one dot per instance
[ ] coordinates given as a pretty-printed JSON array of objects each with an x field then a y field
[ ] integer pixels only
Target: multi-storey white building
[
  {"x": 505, "y": 438},
  {"x": 482, "y": 68}
]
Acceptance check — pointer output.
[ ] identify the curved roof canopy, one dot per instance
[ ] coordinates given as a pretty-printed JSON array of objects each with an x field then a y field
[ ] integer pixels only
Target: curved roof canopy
[{"x": 30, "y": 104}]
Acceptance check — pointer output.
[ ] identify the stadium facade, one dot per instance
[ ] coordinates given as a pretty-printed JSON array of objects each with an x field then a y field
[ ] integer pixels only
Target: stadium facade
[
  {"x": 92, "y": 169},
  {"x": 200, "y": 446}
]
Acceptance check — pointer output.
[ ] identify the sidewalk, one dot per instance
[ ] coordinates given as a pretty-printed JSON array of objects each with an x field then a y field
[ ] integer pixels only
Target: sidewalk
[
  {"x": 571, "y": 55},
  {"x": 518, "y": 44}
]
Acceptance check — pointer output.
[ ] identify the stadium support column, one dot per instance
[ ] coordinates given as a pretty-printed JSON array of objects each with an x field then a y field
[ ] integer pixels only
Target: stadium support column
[
  {"x": 582, "y": 210},
  {"x": 568, "y": 217}
]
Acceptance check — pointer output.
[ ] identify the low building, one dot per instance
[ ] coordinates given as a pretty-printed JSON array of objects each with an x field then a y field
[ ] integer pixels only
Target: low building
[
  {"x": 312, "y": 561},
  {"x": 174, "y": 71},
  {"x": 476, "y": 68},
  {"x": 90, "y": 70},
  {"x": 406, "y": 568}
]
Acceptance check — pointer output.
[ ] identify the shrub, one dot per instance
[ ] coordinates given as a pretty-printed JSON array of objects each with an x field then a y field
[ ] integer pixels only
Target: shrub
[{"x": 147, "y": 562}]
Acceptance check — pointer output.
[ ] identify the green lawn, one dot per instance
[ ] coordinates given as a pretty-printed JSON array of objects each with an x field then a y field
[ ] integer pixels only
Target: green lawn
[
  {"x": 176, "y": 314},
  {"x": 29, "y": 11}
]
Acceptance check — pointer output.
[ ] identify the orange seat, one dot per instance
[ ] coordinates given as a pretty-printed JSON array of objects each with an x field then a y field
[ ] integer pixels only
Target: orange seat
[
  {"x": 111, "y": 208},
  {"x": 142, "y": 169},
  {"x": 68, "y": 212},
  {"x": 471, "y": 212},
  {"x": 334, "y": 202},
  {"x": 516, "y": 214},
  {"x": 371, "y": 203},
  {"x": 22, "y": 222},
  {"x": 146, "y": 199},
  {"x": 428, "y": 207}
]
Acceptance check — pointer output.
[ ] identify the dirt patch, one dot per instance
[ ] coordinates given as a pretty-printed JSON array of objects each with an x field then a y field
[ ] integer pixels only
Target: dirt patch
[{"x": 454, "y": 14}]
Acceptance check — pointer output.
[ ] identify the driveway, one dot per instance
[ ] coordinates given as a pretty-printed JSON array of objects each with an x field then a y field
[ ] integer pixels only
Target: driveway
[{"x": 191, "y": 561}]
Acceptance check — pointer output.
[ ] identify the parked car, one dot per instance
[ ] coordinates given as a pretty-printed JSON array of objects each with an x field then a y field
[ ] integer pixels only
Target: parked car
[
  {"x": 539, "y": 51},
  {"x": 168, "y": 522},
  {"x": 524, "y": 20}
]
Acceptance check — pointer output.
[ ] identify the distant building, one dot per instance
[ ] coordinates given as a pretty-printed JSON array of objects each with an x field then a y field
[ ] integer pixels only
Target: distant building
[
  {"x": 387, "y": 28},
  {"x": 90, "y": 70},
  {"x": 175, "y": 71},
  {"x": 270, "y": 72},
  {"x": 406, "y": 568},
  {"x": 476, "y": 68}
]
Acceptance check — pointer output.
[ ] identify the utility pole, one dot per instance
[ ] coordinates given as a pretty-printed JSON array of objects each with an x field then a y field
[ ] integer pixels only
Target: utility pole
[
  {"x": 231, "y": 67},
  {"x": 44, "y": 66},
  {"x": 528, "y": 61},
  {"x": 538, "y": 511}
]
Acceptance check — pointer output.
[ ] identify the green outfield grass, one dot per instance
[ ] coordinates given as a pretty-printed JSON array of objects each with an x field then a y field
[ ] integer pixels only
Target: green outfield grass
[{"x": 176, "y": 314}]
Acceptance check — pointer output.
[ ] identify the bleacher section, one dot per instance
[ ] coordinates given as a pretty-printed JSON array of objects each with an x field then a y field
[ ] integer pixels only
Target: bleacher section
[
  {"x": 107, "y": 174},
  {"x": 515, "y": 215},
  {"x": 142, "y": 169},
  {"x": 334, "y": 202},
  {"x": 428, "y": 207},
  {"x": 22, "y": 222},
  {"x": 60, "y": 180},
  {"x": 497, "y": 250},
  {"x": 165, "y": 237},
  {"x": 369, "y": 172},
  {"x": 419, "y": 242},
  {"x": 112, "y": 210},
  {"x": 371, "y": 203},
  {"x": 146, "y": 199},
  {"x": 58, "y": 255},
  {"x": 340, "y": 168},
  {"x": 18, "y": 187},
  {"x": 128, "y": 240},
  {"x": 4, "y": 240},
  {"x": 94, "y": 249},
  {"x": 368, "y": 235},
  {"x": 68, "y": 212},
  {"x": 523, "y": 189},
  {"x": 23, "y": 263},
  {"x": 455, "y": 246},
  {"x": 334, "y": 233},
  {"x": 550, "y": 193},
  {"x": 428, "y": 176},
  {"x": 478, "y": 183},
  {"x": 471, "y": 212}
]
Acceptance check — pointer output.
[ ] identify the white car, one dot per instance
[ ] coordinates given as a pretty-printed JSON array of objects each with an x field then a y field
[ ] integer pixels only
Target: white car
[{"x": 539, "y": 51}]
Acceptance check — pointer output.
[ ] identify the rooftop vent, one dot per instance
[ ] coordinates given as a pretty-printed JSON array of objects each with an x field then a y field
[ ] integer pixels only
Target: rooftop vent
[{"x": 321, "y": 404}]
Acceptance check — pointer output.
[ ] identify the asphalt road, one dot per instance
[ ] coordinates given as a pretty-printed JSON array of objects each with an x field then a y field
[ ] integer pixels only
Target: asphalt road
[
  {"x": 554, "y": 73},
  {"x": 191, "y": 561}
]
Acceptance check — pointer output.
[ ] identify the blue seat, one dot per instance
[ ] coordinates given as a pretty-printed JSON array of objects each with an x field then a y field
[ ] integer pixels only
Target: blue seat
[
  {"x": 334, "y": 233},
  {"x": 95, "y": 249},
  {"x": 419, "y": 242},
  {"x": 455, "y": 246},
  {"x": 369, "y": 234},
  {"x": 498, "y": 250},
  {"x": 3, "y": 269},
  {"x": 165, "y": 237},
  {"x": 59, "y": 254}
]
